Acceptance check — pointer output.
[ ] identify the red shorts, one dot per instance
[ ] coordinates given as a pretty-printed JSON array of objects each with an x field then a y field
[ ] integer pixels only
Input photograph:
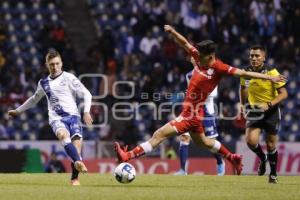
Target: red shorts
[{"x": 186, "y": 122}]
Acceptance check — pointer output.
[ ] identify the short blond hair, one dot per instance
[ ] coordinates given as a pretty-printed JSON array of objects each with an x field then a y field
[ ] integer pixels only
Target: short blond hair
[{"x": 52, "y": 53}]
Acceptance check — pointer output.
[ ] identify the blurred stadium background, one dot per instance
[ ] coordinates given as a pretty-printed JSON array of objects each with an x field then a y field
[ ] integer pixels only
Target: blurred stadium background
[{"x": 124, "y": 40}]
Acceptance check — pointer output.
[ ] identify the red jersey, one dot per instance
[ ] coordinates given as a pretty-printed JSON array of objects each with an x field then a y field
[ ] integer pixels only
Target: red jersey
[{"x": 203, "y": 81}]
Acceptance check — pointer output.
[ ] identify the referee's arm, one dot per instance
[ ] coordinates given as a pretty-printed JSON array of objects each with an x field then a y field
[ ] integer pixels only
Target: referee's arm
[{"x": 282, "y": 95}]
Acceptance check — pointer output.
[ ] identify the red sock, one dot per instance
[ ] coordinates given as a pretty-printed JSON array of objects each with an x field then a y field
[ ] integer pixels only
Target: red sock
[
  {"x": 224, "y": 151},
  {"x": 136, "y": 152}
]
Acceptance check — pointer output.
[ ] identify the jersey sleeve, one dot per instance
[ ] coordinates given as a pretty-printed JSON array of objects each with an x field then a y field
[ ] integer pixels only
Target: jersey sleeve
[
  {"x": 194, "y": 54},
  {"x": 274, "y": 72},
  {"x": 76, "y": 86},
  {"x": 33, "y": 100},
  {"x": 224, "y": 68}
]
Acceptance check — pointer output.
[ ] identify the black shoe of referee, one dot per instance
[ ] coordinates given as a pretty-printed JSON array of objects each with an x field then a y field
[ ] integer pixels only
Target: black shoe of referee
[
  {"x": 273, "y": 179},
  {"x": 262, "y": 167}
]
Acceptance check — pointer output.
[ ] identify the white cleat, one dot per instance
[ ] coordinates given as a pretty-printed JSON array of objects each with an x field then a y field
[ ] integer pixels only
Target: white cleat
[{"x": 180, "y": 172}]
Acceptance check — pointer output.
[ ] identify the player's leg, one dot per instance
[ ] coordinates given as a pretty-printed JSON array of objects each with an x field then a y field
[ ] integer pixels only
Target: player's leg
[
  {"x": 271, "y": 127},
  {"x": 77, "y": 142},
  {"x": 183, "y": 153},
  {"x": 61, "y": 131},
  {"x": 271, "y": 141},
  {"x": 220, "y": 163},
  {"x": 75, "y": 127},
  {"x": 159, "y": 136},
  {"x": 64, "y": 137},
  {"x": 252, "y": 139},
  {"x": 216, "y": 147},
  {"x": 210, "y": 127}
]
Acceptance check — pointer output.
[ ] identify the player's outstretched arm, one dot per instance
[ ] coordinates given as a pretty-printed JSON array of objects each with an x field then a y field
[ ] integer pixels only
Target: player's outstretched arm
[
  {"x": 246, "y": 74},
  {"x": 180, "y": 39},
  {"x": 12, "y": 113},
  {"x": 29, "y": 103}
]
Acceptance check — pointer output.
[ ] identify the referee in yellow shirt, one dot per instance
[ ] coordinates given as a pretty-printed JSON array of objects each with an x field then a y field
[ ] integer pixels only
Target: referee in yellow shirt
[{"x": 260, "y": 100}]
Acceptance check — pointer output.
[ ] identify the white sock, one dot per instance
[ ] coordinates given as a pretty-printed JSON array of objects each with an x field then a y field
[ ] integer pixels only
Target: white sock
[
  {"x": 66, "y": 141},
  {"x": 147, "y": 147},
  {"x": 216, "y": 147},
  {"x": 183, "y": 143}
]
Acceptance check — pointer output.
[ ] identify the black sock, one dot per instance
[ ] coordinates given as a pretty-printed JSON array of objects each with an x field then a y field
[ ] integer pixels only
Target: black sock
[
  {"x": 75, "y": 172},
  {"x": 272, "y": 158},
  {"x": 258, "y": 151}
]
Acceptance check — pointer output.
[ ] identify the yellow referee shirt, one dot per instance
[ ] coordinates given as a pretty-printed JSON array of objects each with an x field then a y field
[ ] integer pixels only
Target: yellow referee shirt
[{"x": 260, "y": 90}]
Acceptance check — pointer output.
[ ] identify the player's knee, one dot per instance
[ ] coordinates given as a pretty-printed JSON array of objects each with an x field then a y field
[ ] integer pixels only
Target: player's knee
[
  {"x": 185, "y": 139},
  {"x": 61, "y": 134},
  {"x": 251, "y": 141},
  {"x": 270, "y": 146},
  {"x": 63, "y": 137}
]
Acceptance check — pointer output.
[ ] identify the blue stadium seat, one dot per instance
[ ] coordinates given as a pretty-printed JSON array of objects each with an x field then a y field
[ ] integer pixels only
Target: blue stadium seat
[
  {"x": 289, "y": 106},
  {"x": 292, "y": 87},
  {"x": 5, "y": 6},
  {"x": 23, "y": 17}
]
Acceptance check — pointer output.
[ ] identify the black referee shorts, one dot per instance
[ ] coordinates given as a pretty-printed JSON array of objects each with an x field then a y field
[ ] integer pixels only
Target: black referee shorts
[{"x": 268, "y": 121}]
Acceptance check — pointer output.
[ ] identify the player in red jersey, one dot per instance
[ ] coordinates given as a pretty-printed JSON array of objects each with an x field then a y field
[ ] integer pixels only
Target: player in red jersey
[{"x": 208, "y": 71}]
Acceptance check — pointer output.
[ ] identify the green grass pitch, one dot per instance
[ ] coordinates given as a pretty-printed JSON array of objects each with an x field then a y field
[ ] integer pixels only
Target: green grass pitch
[{"x": 154, "y": 187}]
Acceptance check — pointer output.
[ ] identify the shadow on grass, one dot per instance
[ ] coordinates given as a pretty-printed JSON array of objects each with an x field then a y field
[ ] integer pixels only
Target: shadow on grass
[
  {"x": 30, "y": 184},
  {"x": 136, "y": 186},
  {"x": 93, "y": 185}
]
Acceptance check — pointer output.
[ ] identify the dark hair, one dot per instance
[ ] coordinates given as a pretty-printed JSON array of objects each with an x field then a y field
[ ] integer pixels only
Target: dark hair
[
  {"x": 258, "y": 47},
  {"x": 206, "y": 47},
  {"x": 52, "y": 53}
]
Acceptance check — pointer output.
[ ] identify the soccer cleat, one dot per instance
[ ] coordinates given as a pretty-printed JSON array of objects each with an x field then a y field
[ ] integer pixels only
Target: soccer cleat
[
  {"x": 75, "y": 182},
  {"x": 273, "y": 179},
  {"x": 236, "y": 161},
  {"x": 80, "y": 166},
  {"x": 221, "y": 169},
  {"x": 121, "y": 153},
  {"x": 180, "y": 172},
  {"x": 262, "y": 167}
]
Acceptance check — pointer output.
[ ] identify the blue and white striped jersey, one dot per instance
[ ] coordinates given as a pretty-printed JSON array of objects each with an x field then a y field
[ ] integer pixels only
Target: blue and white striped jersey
[{"x": 61, "y": 93}]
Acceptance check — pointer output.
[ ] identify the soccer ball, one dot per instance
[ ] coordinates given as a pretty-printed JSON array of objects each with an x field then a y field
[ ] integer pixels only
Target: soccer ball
[{"x": 125, "y": 173}]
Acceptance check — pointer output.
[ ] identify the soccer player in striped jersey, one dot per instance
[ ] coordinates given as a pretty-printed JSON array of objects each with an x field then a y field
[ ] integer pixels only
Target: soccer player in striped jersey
[
  {"x": 261, "y": 100},
  {"x": 61, "y": 89}
]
